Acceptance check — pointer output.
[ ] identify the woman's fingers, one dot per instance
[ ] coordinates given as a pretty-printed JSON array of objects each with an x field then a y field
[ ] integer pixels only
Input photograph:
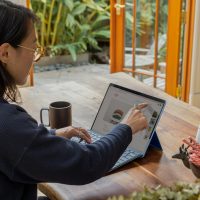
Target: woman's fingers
[
  {"x": 84, "y": 135},
  {"x": 141, "y": 106},
  {"x": 85, "y": 132},
  {"x": 144, "y": 122}
]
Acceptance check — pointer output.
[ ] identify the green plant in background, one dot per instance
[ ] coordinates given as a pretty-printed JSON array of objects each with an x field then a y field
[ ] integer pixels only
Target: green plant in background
[
  {"x": 147, "y": 19},
  {"x": 146, "y": 10},
  {"x": 70, "y": 26},
  {"x": 145, "y": 22},
  {"x": 179, "y": 191}
]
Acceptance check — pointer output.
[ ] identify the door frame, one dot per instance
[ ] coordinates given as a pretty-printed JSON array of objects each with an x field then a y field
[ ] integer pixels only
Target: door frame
[
  {"x": 116, "y": 38},
  {"x": 173, "y": 46},
  {"x": 31, "y": 72},
  {"x": 188, "y": 50}
]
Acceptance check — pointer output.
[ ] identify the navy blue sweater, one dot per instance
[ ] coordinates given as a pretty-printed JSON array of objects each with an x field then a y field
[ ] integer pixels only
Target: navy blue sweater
[{"x": 30, "y": 154}]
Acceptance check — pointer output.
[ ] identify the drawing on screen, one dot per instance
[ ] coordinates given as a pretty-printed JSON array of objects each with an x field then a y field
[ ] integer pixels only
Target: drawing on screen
[
  {"x": 116, "y": 111},
  {"x": 116, "y": 116}
]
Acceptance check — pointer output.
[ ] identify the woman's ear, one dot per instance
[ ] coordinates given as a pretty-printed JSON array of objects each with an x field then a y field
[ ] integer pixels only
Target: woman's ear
[{"x": 4, "y": 48}]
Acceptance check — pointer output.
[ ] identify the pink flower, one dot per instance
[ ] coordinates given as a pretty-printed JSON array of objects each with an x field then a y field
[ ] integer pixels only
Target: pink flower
[{"x": 194, "y": 150}]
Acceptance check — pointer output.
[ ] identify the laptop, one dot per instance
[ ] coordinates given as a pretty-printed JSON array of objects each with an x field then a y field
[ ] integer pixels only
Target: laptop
[{"x": 116, "y": 103}]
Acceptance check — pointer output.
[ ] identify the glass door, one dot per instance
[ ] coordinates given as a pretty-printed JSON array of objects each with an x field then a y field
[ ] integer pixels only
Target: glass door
[{"x": 147, "y": 41}]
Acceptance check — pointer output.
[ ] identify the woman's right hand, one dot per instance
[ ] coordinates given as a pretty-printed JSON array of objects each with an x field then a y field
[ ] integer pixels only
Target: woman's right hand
[{"x": 135, "y": 119}]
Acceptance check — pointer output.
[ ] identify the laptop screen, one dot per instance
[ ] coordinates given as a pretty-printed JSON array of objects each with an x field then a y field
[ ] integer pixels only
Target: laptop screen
[{"x": 117, "y": 102}]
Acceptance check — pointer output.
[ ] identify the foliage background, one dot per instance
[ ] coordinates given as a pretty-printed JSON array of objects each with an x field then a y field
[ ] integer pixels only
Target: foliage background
[{"x": 70, "y": 26}]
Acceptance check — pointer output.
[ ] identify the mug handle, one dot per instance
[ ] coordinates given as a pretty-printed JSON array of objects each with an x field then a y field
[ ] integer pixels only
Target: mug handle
[{"x": 41, "y": 119}]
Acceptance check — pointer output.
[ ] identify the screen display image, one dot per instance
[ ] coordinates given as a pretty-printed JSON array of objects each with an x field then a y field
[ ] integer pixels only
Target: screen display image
[{"x": 116, "y": 104}]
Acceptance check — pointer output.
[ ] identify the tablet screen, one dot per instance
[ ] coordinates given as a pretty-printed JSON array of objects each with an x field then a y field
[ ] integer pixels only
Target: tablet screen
[{"x": 117, "y": 102}]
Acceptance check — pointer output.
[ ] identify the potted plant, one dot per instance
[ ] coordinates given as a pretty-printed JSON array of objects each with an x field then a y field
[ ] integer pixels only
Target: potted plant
[
  {"x": 190, "y": 155},
  {"x": 182, "y": 191}
]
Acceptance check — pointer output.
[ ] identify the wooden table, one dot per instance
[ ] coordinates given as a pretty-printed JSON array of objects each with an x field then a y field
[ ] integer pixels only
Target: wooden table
[{"x": 178, "y": 121}]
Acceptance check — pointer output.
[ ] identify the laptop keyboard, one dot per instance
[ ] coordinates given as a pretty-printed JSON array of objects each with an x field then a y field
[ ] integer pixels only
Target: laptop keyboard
[{"x": 126, "y": 157}]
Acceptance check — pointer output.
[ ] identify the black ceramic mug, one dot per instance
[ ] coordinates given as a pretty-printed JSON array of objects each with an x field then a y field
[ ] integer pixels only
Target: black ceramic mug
[{"x": 60, "y": 114}]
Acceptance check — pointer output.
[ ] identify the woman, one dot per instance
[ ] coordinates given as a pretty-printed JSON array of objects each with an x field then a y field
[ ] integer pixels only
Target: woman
[{"x": 29, "y": 153}]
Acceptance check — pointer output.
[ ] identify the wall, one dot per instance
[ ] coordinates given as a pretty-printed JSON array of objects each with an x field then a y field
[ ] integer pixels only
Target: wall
[{"x": 195, "y": 74}]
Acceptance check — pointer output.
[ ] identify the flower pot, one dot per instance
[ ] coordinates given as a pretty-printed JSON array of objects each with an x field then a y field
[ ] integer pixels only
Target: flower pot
[{"x": 64, "y": 59}]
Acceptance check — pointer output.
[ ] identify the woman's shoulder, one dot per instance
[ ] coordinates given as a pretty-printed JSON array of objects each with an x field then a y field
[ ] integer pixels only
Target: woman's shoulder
[
  {"x": 14, "y": 112},
  {"x": 9, "y": 108}
]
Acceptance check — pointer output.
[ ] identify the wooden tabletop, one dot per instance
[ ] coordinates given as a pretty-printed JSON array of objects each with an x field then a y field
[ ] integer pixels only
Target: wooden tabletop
[{"x": 179, "y": 120}]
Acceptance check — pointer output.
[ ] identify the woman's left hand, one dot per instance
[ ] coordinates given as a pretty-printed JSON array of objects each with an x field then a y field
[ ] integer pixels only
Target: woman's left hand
[{"x": 70, "y": 131}]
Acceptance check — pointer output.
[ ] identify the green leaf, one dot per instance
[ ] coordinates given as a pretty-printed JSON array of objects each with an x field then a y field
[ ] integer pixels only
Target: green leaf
[
  {"x": 100, "y": 19},
  {"x": 70, "y": 21},
  {"x": 129, "y": 21},
  {"x": 79, "y": 10},
  {"x": 72, "y": 51},
  {"x": 44, "y": 1},
  {"x": 93, "y": 42},
  {"x": 83, "y": 45},
  {"x": 69, "y": 4},
  {"x": 85, "y": 27},
  {"x": 93, "y": 5},
  {"x": 103, "y": 34}
]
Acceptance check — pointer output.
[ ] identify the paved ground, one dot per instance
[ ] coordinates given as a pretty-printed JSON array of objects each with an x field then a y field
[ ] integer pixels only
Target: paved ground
[
  {"x": 70, "y": 73},
  {"x": 76, "y": 73}
]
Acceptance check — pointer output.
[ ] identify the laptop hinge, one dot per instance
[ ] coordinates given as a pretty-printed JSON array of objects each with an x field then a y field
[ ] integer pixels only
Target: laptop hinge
[{"x": 155, "y": 142}]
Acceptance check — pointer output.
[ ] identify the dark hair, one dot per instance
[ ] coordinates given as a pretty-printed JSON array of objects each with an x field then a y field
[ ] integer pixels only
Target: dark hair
[{"x": 14, "y": 21}]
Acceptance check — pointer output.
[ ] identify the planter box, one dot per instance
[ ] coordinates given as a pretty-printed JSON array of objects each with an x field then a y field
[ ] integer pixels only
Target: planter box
[{"x": 65, "y": 59}]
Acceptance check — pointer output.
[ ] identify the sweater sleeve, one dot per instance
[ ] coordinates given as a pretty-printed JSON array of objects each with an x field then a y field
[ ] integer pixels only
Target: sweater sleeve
[
  {"x": 31, "y": 154},
  {"x": 52, "y": 131},
  {"x": 51, "y": 158}
]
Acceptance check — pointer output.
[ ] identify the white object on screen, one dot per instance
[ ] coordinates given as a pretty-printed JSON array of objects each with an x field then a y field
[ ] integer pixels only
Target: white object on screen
[{"x": 198, "y": 135}]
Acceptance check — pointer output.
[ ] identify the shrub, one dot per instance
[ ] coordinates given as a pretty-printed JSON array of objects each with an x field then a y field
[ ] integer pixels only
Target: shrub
[{"x": 70, "y": 26}]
